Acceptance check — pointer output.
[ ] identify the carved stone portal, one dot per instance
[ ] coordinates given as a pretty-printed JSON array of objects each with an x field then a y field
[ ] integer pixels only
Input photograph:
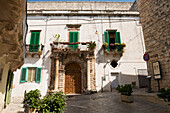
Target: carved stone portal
[{"x": 72, "y": 71}]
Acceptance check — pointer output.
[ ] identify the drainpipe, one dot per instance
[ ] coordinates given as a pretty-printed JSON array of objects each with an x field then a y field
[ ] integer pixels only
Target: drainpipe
[{"x": 46, "y": 20}]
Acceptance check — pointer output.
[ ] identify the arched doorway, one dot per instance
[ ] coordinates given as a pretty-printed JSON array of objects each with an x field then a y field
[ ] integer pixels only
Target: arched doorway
[{"x": 73, "y": 78}]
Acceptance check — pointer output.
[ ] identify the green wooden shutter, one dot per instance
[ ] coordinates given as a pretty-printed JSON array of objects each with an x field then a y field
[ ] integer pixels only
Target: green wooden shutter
[
  {"x": 71, "y": 39},
  {"x": 76, "y": 39},
  {"x": 36, "y": 47},
  {"x": 34, "y": 41},
  {"x": 106, "y": 38},
  {"x": 23, "y": 74},
  {"x": 38, "y": 74},
  {"x": 118, "y": 40},
  {"x": 31, "y": 48}
]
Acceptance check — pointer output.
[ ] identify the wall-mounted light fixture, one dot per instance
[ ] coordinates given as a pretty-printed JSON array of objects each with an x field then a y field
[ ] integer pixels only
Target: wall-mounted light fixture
[{"x": 96, "y": 32}]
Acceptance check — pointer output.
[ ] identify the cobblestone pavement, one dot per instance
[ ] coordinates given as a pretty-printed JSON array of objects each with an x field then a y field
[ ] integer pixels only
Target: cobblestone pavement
[
  {"x": 106, "y": 102},
  {"x": 109, "y": 102}
]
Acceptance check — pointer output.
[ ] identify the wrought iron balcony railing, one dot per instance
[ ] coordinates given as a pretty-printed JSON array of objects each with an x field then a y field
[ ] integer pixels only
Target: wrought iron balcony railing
[{"x": 34, "y": 48}]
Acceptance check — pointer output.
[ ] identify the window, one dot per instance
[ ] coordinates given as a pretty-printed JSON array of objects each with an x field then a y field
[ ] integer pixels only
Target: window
[
  {"x": 29, "y": 74},
  {"x": 73, "y": 37},
  {"x": 34, "y": 41},
  {"x": 112, "y": 38}
]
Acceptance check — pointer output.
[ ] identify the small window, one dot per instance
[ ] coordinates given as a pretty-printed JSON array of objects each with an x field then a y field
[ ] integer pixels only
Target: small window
[
  {"x": 73, "y": 38},
  {"x": 114, "y": 64},
  {"x": 112, "y": 38},
  {"x": 30, "y": 74}
]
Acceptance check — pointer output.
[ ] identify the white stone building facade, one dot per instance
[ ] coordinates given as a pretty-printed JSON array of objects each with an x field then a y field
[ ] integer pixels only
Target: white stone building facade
[{"x": 52, "y": 67}]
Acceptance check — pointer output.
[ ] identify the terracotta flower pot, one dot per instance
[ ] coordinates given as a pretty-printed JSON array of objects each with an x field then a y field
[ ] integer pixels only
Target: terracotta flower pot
[
  {"x": 77, "y": 42},
  {"x": 31, "y": 110}
]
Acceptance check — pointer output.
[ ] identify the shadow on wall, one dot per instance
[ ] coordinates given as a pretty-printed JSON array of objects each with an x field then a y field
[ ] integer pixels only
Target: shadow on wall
[
  {"x": 46, "y": 63},
  {"x": 122, "y": 79},
  {"x": 99, "y": 56},
  {"x": 20, "y": 112},
  {"x": 31, "y": 60}
]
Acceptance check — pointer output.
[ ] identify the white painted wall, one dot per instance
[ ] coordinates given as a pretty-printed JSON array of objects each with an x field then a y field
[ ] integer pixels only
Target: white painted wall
[{"x": 127, "y": 67}]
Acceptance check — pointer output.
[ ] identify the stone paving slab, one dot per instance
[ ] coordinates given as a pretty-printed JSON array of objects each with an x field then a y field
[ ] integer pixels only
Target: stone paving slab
[
  {"x": 106, "y": 102},
  {"x": 109, "y": 102},
  {"x": 14, "y": 108}
]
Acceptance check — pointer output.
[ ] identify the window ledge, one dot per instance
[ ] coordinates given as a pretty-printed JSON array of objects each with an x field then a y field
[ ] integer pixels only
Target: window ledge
[
  {"x": 114, "y": 53},
  {"x": 33, "y": 54}
]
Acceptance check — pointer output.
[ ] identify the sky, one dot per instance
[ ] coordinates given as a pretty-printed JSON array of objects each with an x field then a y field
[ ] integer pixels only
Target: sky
[{"x": 85, "y": 0}]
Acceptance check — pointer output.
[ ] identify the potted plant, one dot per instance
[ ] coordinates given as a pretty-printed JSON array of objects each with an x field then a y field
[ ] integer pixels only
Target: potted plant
[
  {"x": 106, "y": 51},
  {"x": 53, "y": 103},
  {"x": 105, "y": 45},
  {"x": 123, "y": 44},
  {"x": 91, "y": 46},
  {"x": 126, "y": 92},
  {"x": 165, "y": 95},
  {"x": 31, "y": 100}
]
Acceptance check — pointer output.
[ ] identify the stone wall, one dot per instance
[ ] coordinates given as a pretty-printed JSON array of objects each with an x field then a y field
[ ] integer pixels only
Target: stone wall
[
  {"x": 155, "y": 19},
  {"x": 79, "y": 5}
]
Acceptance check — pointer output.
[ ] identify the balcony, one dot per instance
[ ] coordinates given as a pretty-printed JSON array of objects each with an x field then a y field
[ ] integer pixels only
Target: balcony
[
  {"x": 72, "y": 48},
  {"x": 34, "y": 50},
  {"x": 114, "y": 49}
]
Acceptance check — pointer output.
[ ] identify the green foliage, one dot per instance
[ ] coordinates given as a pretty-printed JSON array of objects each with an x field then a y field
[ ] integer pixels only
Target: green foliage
[
  {"x": 125, "y": 90},
  {"x": 91, "y": 46},
  {"x": 57, "y": 38},
  {"x": 105, "y": 45},
  {"x": 123, "y": 44},
  {"x": 165, "y": 94},
  {"x": 53, "y": 103},
  {"x": 120, "y": 44},
  {"x": 32, "y": 98},
  {"x": 106, "y": 51}
]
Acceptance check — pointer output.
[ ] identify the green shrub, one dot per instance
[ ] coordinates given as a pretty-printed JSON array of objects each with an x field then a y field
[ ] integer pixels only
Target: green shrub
[
  {"x": 165, "y": 94},
  {"x": 91, "y": 46},
  {"x": 32, "y": 98},
  {"x": 53, "y": 103},
  {"x": 125, "y": 90}
]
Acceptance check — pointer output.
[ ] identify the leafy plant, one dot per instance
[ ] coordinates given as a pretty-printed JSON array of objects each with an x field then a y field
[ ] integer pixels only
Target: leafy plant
[
  {"x": 123, "y": 44},
  {"x": 91, "y": 46},
  {"x": 106, "y": 51},
  {"x": 53, "y": 103},
  {"x": 57, "y": 38},
  {"x": 125, "y": 89},
  {"x": 105, "y": 45},
  {"x": 32, "y": 98},
  {"x": 165, "y": 94}
]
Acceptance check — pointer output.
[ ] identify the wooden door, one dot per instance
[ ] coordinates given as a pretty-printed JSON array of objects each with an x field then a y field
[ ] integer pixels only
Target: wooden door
[{"x": 73, "y": 79}]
